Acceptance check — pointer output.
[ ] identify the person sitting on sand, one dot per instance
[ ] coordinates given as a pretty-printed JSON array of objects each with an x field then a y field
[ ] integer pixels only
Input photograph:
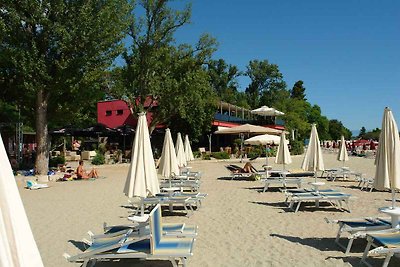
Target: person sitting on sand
[
  {"x": 82, "y": 174},
  {"x": 247, "y": 168}
]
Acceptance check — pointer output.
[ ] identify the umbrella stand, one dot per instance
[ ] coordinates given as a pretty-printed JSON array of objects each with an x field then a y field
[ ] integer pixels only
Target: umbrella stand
[
  {"x": 266, "y": 155},
  {"x": 393, "y": 198}
]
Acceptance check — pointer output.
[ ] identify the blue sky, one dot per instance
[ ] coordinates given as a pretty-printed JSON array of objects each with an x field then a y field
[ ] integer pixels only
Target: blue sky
[{"x": 347, "y": 52}]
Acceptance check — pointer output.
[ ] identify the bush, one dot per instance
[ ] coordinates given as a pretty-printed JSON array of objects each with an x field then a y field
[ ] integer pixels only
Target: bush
[
  {"x": 99, "y": 159},
  {"x": 297, "y": 147},
  {"x": 221, "y": 155},
  {"x": 207, "y": 157},
  {"x": 196, "y": 154},
  {"x": 55, "y": 161}
]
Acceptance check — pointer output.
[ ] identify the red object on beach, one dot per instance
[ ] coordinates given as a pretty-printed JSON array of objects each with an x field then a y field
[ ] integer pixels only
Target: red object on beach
[{"x": 372, "y": 145}]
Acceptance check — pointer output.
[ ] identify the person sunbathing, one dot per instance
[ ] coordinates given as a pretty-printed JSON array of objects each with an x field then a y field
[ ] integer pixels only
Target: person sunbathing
[
  {"x": 247, "y": 168},
  {"x": 82, "y": 174}
]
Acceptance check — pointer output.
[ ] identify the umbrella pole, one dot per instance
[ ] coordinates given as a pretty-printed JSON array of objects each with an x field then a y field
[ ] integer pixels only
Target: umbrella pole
[
  {"x": 393, "y": 198},
  {"x": 266, "y": 155}
]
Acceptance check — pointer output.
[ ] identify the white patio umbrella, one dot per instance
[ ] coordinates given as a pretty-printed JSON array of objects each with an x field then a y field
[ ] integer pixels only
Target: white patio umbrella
[
  {"x": 313, "y": 160},
  {"x": 343, "y": 156},
  {"x": 17, "y": 245},
  {"x": 180, "y": 151},
  {"x": 283, "y": 154},
  {"x": 188, "y": 149},
  {"x": 263, "y": 140},
  {"x": 168, "y": 161},
  {"x": 267, "y": 111},
  {"x": 142, "y": 176},
  {"x": 387, "y": 173}
]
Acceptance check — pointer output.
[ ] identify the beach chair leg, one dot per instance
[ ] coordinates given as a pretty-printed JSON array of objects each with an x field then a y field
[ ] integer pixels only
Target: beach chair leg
[
  {"x": 387, "y": 259},
  {"x": 266, "y": 187},
  {"x": 173, "y": 262},
  {"x": 317, "y": 203},
  {"x": 365, "y": 254},
  {"x": 298, "y": 206},
  {"x": 349, "y": 246}
]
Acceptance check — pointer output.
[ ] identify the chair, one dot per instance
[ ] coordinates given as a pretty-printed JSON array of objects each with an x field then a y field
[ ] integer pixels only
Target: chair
[
  {"x": 387, "y": 244},
  {"x": 358, "y": 228},
  {"x": 168, "y": 229},
  {"x": 338, "y": 197},
  {"x": 33, "y": 185},
  {"x": 154, "y": 246},
  {"x": 237, "y": 172},
  {"x": 281, "y": 181}
]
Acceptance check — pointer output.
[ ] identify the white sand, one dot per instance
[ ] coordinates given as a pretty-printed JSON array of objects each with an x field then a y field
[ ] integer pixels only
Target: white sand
[{"x": 238, "y": 225}]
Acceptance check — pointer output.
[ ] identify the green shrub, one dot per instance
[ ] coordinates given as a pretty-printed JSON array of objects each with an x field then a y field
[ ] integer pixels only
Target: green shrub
[
  {"x": 53, "y": 162},
  {"x": 272, "y": 152},
  {"x": 196, "y": 154},
  {"x": 297, "y": 147},
  {"x": 221, "y": 155},
  {"x": 99, "y": 159},
  {"x": 207, "y": 157}
]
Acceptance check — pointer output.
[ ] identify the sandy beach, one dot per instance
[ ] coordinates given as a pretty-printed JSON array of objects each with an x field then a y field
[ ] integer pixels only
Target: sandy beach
[{"x": 238, "y": 224}]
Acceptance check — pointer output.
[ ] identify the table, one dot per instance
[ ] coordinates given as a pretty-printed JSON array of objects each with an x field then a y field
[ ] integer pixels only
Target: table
[
  {"x": 171, "y": 191},
  {"x": 394, "y": 213},
  {"x": 141, "y": 220}
]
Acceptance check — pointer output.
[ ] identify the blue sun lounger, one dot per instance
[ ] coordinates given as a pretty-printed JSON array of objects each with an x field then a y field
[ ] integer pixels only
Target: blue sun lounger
[
  {"x": 387, "y": 244},
  {"x": 154, "y": 246},
  {"x": 332, "y": 198},
  {"x": 358, "y": 228}
]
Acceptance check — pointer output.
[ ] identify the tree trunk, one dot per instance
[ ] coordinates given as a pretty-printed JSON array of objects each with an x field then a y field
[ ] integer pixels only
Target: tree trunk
[{"x": 42, "y": 134}]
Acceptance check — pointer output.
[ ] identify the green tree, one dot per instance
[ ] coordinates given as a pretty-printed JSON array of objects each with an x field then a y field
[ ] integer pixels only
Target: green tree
[
  {"x": 172, "y": 77},
  {"x": 374, "y": 134},
  {"x": 223, "y": 78},
  {"x": 267, "y": 86},
  {"x": 363, "y": 131},
  {"x": 298, "y": 91},
  {"x": 336, "y": 130},
  {"x": 314, "y": 116},
  {"x": 53, "y": 55}
]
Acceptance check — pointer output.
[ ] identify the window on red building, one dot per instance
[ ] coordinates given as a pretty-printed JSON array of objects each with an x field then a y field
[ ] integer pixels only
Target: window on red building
[
  {"x": 108, "y": 112},
  {"x": 120, "y": 111}
]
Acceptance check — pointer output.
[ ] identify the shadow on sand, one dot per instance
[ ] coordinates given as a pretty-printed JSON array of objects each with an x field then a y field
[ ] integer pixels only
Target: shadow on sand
[
  {"x": 322, "y": 244},
  {"x": 305, "y": 206}
]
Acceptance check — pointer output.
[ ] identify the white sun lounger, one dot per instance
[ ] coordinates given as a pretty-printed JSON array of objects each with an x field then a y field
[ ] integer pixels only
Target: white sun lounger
[
  {"x": 332, "y": 198},
  {"x": 387, "y": 244},
  {"x": 358, "y": 228},
  {"x": 284, "y": 182},
  {"x": 154, "y": 246}
]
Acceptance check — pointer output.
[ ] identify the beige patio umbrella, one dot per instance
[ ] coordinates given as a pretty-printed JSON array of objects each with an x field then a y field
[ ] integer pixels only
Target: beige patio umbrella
[
  {"x": 17, "y": 245},
  {"x": 343, "y": 156},
  {"x": 387, "y": 173},
  {"x": 263, "y": 140},
  {"x": 250, "y": 129},
  {"x": 267, "y": 111},
  {"x": 168, "y": 162},
  {"x": 142, "y": 176},
  {"x": 180, "y": 151},
  {"x": 313, "y": 160},
  {"x": 188, "y": 149},
  {"x": 283, "y": 154}
]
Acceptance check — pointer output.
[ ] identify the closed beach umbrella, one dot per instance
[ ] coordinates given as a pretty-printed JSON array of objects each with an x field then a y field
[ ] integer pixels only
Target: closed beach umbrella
[
  {"x": 313, "y": 160},
  {"x": 283, "y": 154},
  {"x": 387, "y": 173},
  {"x": 180, "y": 151},
  {"x": 17, "y": 245},
  {"x": 142, "y": 176},
  {"x": 343, "y": 156},
  {"x": 188, "y": 149},
  {"x": 168, "y": 161}
]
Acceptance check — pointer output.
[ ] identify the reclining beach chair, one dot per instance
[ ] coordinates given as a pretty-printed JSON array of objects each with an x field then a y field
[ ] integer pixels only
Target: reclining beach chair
[
  {"x": 237, "y": 172},
  {"x": 387, "y": 244},
  {"x": 284, "y": 182},
  {"x": 141, "y": 227},
  {"x": 358, "y": 228},
  {"x": 335, "y": 199},
  {"x": 154, "y": 246}
]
